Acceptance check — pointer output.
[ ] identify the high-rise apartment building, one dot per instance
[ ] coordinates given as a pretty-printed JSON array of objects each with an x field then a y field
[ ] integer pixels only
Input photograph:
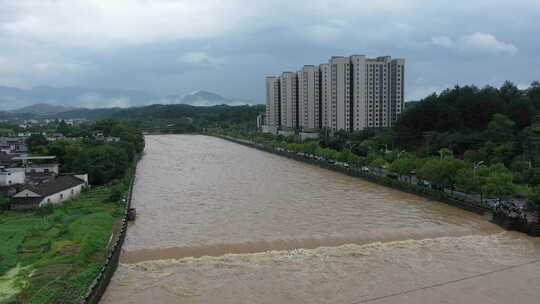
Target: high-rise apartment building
[
  {"x": 288, "y": 83},
  {"x": 337, "y": 80},
  {"x": 359, "y": 93},
  {"x": 273, "y": 112},
  {"x": 309, "y": 98},
  {"x": 326, "y": 91},
  {"x": 347, "y": 93},
  {"x": 384, "y": 92},
  {"x": 397, "y": 89}
]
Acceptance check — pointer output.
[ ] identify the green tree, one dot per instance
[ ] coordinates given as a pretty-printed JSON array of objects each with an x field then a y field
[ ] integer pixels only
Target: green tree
[
  {"x": 67, "y": 153},
  {"x": 474, "y": 156},
  {"x": 116, "y": 194},
  {"x": 344, "y": 155},
  {"x": 63, "y": 127},
  {"x": 521, "y": 171},
  {"x": 103, "y": 163},
  {"x": 379, "y": 162},
  {"x": 534, "y": 198},
  {"x": 445, "y": 153},
  {"x": 499, "y": 182},
  {"x": 4, "y": 202},
  {"x": 533, "y": 177},
  {"x": 403, "y": 165},
  {"x": 534, "y": 94},
  {"x": 509, "y": 91},
  {"x": 36, "y": 140},
  {"x": 441, "y": 172},
  {"x": 500, "y": 129},
  {"x": 470, "y": 180}
]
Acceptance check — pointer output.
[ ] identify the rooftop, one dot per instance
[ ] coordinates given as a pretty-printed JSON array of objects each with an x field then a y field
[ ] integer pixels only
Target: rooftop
[
  {"x": 59, "y": 184},
  {"x": 34, "y": 158}
]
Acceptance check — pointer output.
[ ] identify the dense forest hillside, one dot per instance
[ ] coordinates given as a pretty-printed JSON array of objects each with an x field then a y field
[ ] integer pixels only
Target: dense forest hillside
[
  {"x": 176, "y": 116},
  {"x": 191, "y": 118},
  {"x": 459, "y": 118}
]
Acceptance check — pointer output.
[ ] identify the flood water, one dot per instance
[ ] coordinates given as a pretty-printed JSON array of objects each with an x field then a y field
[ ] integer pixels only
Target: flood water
[{"x": 218, "y": 222}]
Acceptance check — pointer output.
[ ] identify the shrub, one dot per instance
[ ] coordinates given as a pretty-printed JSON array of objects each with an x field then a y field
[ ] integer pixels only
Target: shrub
[
  {"x": 116, "y": 195},
  {"x": 4, "y": 203},
  {"x": 45, "y": 210}
]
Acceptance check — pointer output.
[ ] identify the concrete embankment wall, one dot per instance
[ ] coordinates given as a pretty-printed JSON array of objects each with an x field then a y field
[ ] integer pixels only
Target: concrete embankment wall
[
  {"x": 100, "y": 283},
  {"x": 532, "y": 229}
]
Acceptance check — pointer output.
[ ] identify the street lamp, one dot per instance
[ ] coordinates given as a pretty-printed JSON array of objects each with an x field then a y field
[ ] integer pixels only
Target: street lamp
[{"x": 476, "y": 165}]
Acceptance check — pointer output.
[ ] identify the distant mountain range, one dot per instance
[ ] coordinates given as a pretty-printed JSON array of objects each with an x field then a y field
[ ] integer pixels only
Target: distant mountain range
[
  {"x": 43, "y": 109},
  {"x": 46, "y": 100},
  {"x": 169, "y": 112},
  {"x": 204, "y": 99}
]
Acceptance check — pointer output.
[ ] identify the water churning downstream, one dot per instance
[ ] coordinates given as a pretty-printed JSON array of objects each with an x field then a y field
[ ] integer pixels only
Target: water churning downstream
[{"x": 223, "y": 223}]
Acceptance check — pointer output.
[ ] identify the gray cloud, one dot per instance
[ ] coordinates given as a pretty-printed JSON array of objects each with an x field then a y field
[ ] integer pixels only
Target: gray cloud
[{"x": 175, "y": 47}]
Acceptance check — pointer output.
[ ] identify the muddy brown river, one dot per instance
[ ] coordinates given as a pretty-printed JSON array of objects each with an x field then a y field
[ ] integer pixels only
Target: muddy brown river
[{"x": 218, "y": 222}]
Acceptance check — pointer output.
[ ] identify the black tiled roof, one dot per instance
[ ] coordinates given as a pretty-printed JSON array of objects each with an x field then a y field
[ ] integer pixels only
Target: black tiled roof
[
  {"x": 7, "y": 157},
  {"x": 61, "y": 183}
]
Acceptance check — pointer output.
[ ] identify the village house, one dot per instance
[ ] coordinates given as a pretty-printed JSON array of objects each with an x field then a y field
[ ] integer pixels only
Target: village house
[
  {"x": 54, "y": 136},
  {"x": 99, "y": 136},
  {"x": 12, "y": 176},
  {"x": 39, "y": 164},
  {"x": 57, "y": 191},
  {"x": 12, "y": 145},
  {"x": 21, "y": 169}
]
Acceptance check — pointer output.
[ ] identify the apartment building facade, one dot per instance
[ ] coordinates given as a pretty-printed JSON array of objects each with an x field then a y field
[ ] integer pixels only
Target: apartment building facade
[
  {"x": 347, "y": 93},
  {"x": 288, "y": 83},
  {"x": 384, "y": 92},
  {"x": 309, "y": 101},
  {"x": 273, "y": 100}
]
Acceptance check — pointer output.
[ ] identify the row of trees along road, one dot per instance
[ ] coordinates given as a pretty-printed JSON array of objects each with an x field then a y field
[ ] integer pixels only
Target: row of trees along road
[{"x": 465, "y": 138}]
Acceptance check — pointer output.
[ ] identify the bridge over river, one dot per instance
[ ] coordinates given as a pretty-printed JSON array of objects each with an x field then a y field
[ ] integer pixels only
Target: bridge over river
[{"x": 223, "y": 223}]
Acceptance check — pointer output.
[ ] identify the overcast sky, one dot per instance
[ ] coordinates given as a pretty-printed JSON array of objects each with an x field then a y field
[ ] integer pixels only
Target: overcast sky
[{"x": 179, "y": 46}]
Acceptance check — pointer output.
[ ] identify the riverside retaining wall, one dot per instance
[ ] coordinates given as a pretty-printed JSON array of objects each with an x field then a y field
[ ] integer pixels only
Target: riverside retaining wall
[
  {"x": 506, "y": 222},
  {"x": 100, "y": 283}
]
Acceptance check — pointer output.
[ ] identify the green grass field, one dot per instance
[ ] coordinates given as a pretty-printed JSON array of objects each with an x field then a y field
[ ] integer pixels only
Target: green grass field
[{"x": 53, "y": 257}]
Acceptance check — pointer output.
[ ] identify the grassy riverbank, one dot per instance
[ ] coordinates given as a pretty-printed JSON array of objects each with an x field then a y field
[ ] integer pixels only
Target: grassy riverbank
[{"x": 53, "y": 255}]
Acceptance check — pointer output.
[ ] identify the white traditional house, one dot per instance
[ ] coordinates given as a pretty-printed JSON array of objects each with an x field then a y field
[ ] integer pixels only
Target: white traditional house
[
  {"x": 12, "y": 176},
  {"x": 61, "y": 189},
  {"x": 39, "y": 164}
]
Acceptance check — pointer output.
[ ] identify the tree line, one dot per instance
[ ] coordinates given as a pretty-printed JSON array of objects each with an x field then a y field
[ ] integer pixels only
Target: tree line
[{"x": 104, "y": 161}]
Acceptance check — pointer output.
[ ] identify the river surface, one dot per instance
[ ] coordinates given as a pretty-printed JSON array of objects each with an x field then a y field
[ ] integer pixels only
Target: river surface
[{"x": 218, "y": 222}]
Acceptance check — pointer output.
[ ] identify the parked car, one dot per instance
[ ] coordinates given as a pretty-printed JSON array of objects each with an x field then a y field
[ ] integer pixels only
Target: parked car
[
  {"x": 492, "y": 202},
  {"x": 392, "y": 175},
  {"x": 423, "y": 183},
  {"x": 365, "y": 169}
]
